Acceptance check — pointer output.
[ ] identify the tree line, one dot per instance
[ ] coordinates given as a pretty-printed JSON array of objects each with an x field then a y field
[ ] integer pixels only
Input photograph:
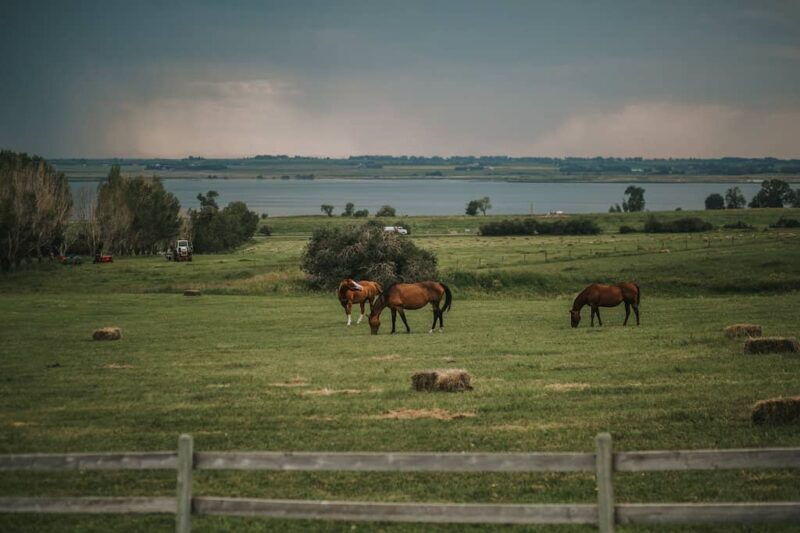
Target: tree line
[{"x": 127, "y": 216}]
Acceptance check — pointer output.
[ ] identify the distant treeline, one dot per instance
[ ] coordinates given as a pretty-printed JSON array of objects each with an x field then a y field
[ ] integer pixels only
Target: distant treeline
[
  {"x": 531, "y": 226},
  {"x": 725, "y": 166}
]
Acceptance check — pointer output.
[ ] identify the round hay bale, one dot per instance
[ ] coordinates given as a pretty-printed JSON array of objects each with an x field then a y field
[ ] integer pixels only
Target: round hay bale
[
  {"x": 446, "y": 380},
  {"x": 191, "y": 292},
  {"x": 772, "y": 345},
  {"x": 742, "y": 330},
  {"x": 777, "y": 411},
  {"x": 107, "y": 334}
]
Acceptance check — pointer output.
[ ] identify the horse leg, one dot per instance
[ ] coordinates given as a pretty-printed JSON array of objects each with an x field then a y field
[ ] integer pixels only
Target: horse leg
[
  {"x": 636, "y": 312},
  {"x": 348, "y": 309},
  {"x": 403, "y": 316},
  {"x": 597, "y": 312},
  {"x": 592, "y": 316},
  {"x": 436, "y": 315},
  {"x": 627, "y": 313},
  {"x": 394, "y": 319},
  {"x": 361, "y": 316}
]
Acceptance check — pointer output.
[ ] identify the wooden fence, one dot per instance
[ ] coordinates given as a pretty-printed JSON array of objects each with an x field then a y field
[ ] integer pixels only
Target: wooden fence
[{"x": 605, "y": 513}]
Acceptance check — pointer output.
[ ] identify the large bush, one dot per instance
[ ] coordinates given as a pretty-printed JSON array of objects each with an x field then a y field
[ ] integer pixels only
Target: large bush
[
  {"x": 530, "y": 226},
  {"x": 364, "y": 252},
  {"x": 679, "y": 225},
  {"x": 35, "y": 204}
]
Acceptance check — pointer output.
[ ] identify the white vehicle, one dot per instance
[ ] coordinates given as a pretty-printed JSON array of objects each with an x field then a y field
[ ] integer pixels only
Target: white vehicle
[
  {"x": 396, "y": 229},
  {"x": 182, "y": 251}
]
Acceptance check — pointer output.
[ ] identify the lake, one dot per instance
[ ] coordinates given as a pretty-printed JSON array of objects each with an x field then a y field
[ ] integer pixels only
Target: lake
[{"x": 438, "y": 196}]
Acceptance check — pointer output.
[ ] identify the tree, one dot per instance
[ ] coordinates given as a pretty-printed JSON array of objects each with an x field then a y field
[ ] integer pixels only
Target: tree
[
  {"x": 348, "y": 209},
  {"x": 209, "y": 200},
  {"x": 361, "y": 213},
  {"x": 734, "y": 199},
  {"x": 615, "y": 209},
  {"x": 773, "y": 193},
  {"x": 715, "y": 201},
  {"x": 136, "y": 215},
  {"x": 35, "y": 204},
  {"x": 635, "y": 199},
  {"x": 217, "y": 230},
  {"x": 364, "y": 251},
  {"x": 327, "y": 209},
  {"x": 481, "y": 205},
  {"x": 386, "y": 211}
]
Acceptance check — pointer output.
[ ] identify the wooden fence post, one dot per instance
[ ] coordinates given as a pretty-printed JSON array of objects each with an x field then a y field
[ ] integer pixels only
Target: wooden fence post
[
  {"x": 183, "y": 514},
  {"x": 605, "y": 488}
]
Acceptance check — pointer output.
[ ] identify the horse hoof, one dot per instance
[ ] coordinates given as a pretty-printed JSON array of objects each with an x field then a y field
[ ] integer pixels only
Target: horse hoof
[{"x": 431, "y": 331}]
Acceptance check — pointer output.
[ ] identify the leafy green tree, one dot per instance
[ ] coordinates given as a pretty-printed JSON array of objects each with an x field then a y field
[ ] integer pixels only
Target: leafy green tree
[
  {"x": 361, "y": 213},
  {"x": 715, "y": 201},
  {"x": 615, "y": 209},
  {"x": 217, "y": 230},
  {"x": 482, "y": 205},
  {"x": 136, "y": 215},
  {"x": 386, "y": 211},
  {"x": 634, "y": 202},
  {"x": 209, "y": 199},
  {"x": 773, "y": 193},
  {"x": 348, "y": 209},
  {"x": 734, "y": 199},
  {"x": 327, "y": 209},
  {"x": 364, "y": 252}
]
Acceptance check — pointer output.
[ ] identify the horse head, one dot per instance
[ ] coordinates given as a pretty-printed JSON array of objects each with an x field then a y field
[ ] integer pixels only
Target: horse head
[
  {"x": 575, "y": 317},
  {"x": 374, "y": 323}
]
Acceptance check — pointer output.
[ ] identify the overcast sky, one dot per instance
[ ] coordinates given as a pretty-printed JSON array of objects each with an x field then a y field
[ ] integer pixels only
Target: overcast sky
[{"x": 328, "y": 78}]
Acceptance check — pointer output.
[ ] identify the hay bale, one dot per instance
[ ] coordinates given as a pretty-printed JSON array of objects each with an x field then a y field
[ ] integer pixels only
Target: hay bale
[
  {"x": 191, "y": 292},
  {"x": 772, "y": 345},
  {"x": 107, "y": 334},
  {"x": 742, "y": 330},
  {"x": 777, "y": 411},
  {"x": 447, "y": 380}
]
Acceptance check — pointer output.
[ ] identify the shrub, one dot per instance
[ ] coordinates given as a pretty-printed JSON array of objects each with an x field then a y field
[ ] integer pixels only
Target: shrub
[
  {"x": 715, "y": 201},
  {"x": 386, "y": 211},
  {"x": 265, "y": 231},
  {"x": 786, "y": 223},
  {"x": 627, "y": 229},
  {"x": 364, "y": 252},
  {"x": 530, "y": 226},
  {"x": 679, "y": 225},
  {"x": 361, "y": 213},
  {"x": 738, "y": 225}
]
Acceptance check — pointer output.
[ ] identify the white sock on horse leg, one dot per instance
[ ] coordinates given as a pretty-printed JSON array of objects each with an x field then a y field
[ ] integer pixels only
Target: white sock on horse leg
[
  {"x": 359, "y": 319},
  {"x": 348, "y": 319}
]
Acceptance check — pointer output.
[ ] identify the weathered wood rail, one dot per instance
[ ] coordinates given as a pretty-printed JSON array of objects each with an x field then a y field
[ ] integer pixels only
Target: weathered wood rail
[{"x": 606, "y": 513}]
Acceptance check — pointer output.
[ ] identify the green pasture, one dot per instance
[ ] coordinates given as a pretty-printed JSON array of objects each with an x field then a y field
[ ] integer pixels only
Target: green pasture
[{"x": 261, "y": 362}]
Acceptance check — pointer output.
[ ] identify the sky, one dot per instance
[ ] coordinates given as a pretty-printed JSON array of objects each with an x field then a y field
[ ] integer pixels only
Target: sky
[{"x": 436, "y": 77}]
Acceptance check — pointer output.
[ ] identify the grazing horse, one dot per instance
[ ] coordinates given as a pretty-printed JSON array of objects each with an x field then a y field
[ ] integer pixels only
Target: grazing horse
[
  {"x": 351, "y": 292},
  {"x": 401, "y": 296},
  {"x": 598, "y": 295}
]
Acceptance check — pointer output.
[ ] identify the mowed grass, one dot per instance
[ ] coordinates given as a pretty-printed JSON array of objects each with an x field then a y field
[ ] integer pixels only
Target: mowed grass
[{"x": 262, "y": 362}]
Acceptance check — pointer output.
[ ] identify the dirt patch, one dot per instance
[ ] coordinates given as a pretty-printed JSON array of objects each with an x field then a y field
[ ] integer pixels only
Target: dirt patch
[
  {"x": 528, "y": 427},
  {"x": 390, "y": 357},
  {"x": 319, "y": 418},
  {"x": 294, "y": 382},
  {"x": 218, "y": 386},
  {"x": 331, "y": 392},
  {"x": 415, "y": 414},
  {"x": 117, "y": 366},
  {"x": 19, "y": 424},
  {"x": 566, "y": 387}
]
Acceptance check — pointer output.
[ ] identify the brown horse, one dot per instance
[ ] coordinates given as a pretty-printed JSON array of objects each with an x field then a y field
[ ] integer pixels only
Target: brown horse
[
  {"x": 599, "y": 295},
  {"x": 361, "y": 292},
  {"x": 401, "y": 296}
]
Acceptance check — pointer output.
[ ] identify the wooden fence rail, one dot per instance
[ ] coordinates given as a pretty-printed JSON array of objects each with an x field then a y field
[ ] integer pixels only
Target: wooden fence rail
[{"x": 606, "y": 513}]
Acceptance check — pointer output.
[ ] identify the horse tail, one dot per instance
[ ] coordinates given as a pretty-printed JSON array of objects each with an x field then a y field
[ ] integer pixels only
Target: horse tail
[
  {"x": 638, "y": 292},
  {"x": 448, "y": 297}
]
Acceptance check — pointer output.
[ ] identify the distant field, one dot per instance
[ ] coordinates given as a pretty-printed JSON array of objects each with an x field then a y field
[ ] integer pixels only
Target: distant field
[
  {"x": 260, "y": 362},
  {"x": 322, "y": 169}
]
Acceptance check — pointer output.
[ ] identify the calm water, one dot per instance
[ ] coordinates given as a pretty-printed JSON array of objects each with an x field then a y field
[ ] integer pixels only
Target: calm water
[{"x": 437, "y": 197}]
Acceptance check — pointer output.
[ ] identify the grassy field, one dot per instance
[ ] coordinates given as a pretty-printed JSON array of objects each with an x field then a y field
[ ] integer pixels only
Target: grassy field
[{"x": 260, "y": 362}]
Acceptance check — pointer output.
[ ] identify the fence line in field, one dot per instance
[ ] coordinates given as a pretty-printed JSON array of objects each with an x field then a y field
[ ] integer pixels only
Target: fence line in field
[{"x": 606, "y": 513}]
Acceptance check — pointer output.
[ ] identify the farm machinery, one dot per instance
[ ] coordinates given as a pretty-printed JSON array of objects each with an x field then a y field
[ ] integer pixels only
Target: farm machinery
[{"x": 181, "y": 251}]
